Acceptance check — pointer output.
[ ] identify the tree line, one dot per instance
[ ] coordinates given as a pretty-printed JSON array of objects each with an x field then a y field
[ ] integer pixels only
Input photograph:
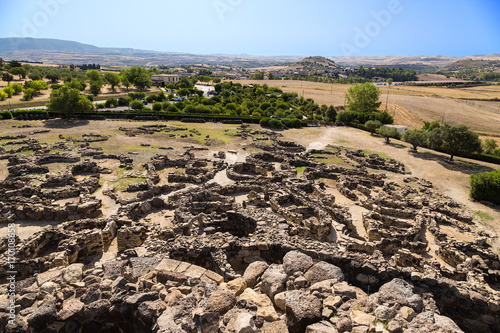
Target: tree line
[{"x": 397, "y": 74}]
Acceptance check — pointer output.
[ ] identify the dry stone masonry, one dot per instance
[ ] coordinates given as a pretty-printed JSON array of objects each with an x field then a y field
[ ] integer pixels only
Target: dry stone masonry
[{"x": 270, "y": 249}]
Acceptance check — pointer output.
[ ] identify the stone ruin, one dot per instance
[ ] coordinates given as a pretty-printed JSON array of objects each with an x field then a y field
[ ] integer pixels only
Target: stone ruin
[{"x": 270, "y": 250}]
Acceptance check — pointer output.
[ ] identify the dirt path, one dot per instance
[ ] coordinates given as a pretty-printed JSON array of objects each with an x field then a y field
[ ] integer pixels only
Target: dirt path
[{"x": 448, "y": 179}]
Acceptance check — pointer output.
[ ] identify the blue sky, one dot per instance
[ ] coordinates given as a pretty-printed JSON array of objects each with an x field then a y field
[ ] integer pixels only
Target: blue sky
[{"x": 265, "y": 27}]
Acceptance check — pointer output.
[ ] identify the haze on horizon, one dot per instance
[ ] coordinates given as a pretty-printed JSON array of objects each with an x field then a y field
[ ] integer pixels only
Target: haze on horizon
[{"x": 259, "y": 27}]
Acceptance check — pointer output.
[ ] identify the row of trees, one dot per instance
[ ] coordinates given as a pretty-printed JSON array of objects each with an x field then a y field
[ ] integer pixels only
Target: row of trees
[
  {"x": 30, "y": 88},
  {"x": 397, "y": 74},
  {"x": 451, "y": 139}
]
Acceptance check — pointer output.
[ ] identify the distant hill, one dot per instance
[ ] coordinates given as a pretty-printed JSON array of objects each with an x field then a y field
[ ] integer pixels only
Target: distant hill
[
  {"x": 315, "y": 63},
  {"x": 20, "y": 44},
  {"x": 482, "y": 65},
  {"x": 68, "y": 52}
]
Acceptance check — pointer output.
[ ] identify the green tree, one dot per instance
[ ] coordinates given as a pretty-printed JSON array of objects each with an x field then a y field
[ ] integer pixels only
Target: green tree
[
  {"x": 18, "y": 88},
  {"x": 125, "y": 82},
  {"x": 9, "y": 91},
  {"x": 7, "y": 77},
  {"x": 373, "y": 125},
  {"x": 37, "y": 85},
  {"x": 29, "y": 93},
  {"x": 113, "y": 79},
  {"x": 486, "y": 186},
  {"x": 95, "y": 87},
  {"x": 77, "y": 84},
  {"x": 19, "y": 71},
  {"x": 68, "y": 100},
  {"x": 490, "y": 146},
  {"x": 384, "y": 117},
  {"x": 35, "y": 76},
  {"x": 416, "y": 137},
  {"x": 454, "y": 140},
  {"x": 388, "y": 133},
  {"x": 93, "y": 75},
  {"x": 14, "y": 63},
  {"x": 258, "y": 76},
  {"x": 139, "y": 77},
  {"x": 3, "y": 96},
  {"x": 331, "y": 113},
  {"x": 429, "y": 126},
  {"x": 53, "y": 76},
  {"x": 363, "y": 98}
]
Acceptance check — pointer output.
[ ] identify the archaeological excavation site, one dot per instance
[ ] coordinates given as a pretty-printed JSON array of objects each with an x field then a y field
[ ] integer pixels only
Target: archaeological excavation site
[{"x": 129, "y": 226}]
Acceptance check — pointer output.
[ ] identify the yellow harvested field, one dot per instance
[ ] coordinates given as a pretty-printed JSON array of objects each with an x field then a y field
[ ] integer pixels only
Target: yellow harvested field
[{"x": 411, "y": 105}]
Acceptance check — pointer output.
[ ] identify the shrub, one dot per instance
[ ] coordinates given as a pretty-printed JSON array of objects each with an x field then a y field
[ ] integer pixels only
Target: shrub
[
  {"x": 346, "y": 117},
  {"x": 384, "y": 117},
  {"x": 170, "y": 107},
  {"x": 264, "y": 122},
  {"x": 190, "y": 109},
  {"x": 9, "y": 91},
  {"x": 275, "y": 123},
  {"x": 3, "y": 96},
  {"x": 137, "y": 95},
  {"x": 111, "y": 101},
  {"x": 157, "y": 106},
  {"x": 373, "y": 125},
  {"x": 292, "y": 123},
  {"x": 18, "y": 88},
  {"x": 136, "y": 105},
  {"x": 6, "y": 115},
  {"x": 29, "y": 93},
  {"x": 486, "y": 186},
  {"x": 122, "y": 101}
]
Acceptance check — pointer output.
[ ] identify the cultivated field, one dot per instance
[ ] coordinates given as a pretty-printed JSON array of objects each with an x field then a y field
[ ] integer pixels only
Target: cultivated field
[{"x": 411, "y": 106}]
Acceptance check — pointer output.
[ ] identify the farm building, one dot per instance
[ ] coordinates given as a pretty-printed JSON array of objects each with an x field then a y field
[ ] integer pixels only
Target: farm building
[
  {"x": 400, "y": 128},
  {"x": 164, "y": 79}
]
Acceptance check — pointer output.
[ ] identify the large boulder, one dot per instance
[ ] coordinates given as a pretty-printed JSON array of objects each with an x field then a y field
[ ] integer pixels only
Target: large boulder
[
  {"x": 295, "y": 261},
  {"x": 273, "y": 280},
  {"x": 432, "y": 322},
  {"x": 323, "y": 271},
  {"x": 73, "y": 273},
  {"x": 301, "y": 310},
  {"x": 242, "y": 322},
  {"x": 149, "y": 311},
  {"x": 398, "y": 291},
  {"x": 220, "y": 301},
  {"x": 43, "y": 316},
  {"x": 69, "y": 309},
  {"x": 254, "y": 271}
]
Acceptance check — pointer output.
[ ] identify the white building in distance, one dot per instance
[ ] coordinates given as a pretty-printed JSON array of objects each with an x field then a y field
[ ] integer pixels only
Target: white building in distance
[{"x": 164, "y": 79}]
